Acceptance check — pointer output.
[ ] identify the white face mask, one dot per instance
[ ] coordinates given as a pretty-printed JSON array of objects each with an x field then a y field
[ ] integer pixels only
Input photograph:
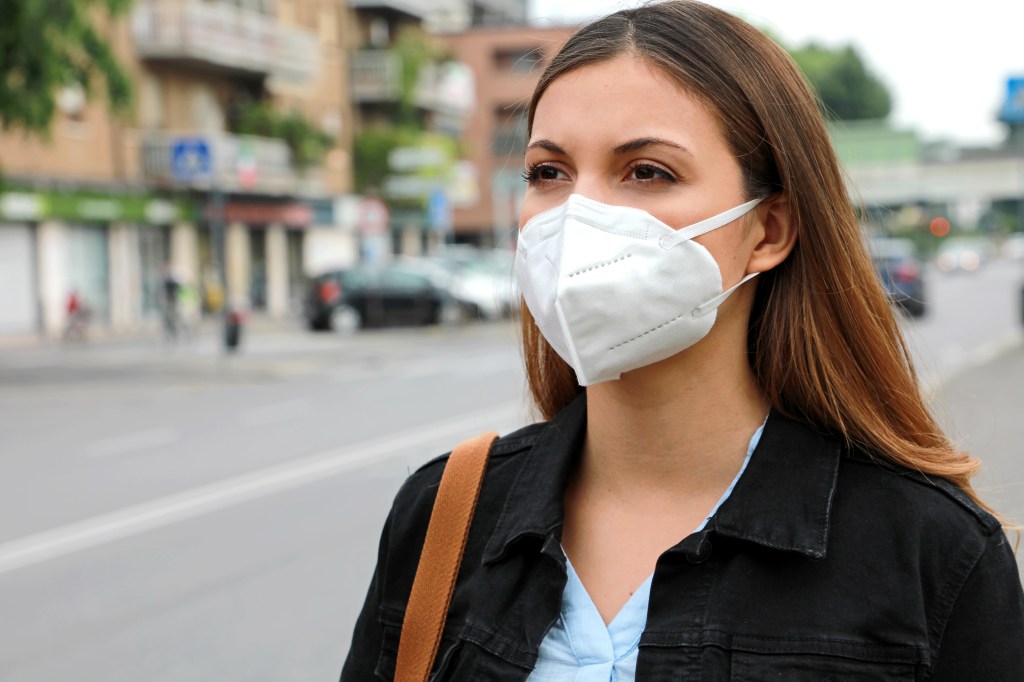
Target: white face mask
[{"x": 613, "y": 288}]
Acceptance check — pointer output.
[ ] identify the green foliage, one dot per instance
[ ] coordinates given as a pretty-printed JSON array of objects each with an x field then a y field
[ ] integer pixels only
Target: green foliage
[
  {"x": 49, "y": 44},
  {"x": 848, "y": 91},
  {"x": 308, "y": 143},
  {"x": 370, "y": 151},
  {"x": 415, "y": 50},
  {"x": 372, "y": 146}
]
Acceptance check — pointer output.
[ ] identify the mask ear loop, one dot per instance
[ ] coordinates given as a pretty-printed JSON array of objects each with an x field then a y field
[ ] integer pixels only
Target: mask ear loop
[
  {"x": 708, "y": 224},
  {"x": 704, "y": 309}
]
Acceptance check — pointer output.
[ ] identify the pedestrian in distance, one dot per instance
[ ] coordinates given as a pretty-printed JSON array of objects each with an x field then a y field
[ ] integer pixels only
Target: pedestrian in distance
[
  {"x": 170, "y": 288},
  {"x": 76, "y": 313},
  {"x": 737, "y": 476}
]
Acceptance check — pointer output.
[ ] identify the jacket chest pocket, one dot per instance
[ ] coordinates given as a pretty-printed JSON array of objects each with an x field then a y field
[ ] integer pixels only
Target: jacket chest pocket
[
  {"x": 447, "y": 655},
  {"x": 457, "y": 660},
  {"x": 816, "y": 667}
]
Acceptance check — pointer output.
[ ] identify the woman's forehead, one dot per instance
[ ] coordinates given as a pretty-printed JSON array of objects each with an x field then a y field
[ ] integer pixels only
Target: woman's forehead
[{"x": 619, "y": 99}]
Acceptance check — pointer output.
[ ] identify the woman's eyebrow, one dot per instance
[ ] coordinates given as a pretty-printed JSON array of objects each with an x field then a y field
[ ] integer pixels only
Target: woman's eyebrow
[
  {"x": 644, "y": 142},
  {"x": 624, "y": 148},
  {"x": 548, "y": 145}
]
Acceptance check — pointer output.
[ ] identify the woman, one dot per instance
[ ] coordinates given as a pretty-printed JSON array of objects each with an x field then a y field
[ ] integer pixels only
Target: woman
[{"x": 738, "y": 479}]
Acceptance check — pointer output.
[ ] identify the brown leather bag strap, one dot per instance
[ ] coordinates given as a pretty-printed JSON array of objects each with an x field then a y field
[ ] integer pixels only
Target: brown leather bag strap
[{"x": 434, "y": 584}]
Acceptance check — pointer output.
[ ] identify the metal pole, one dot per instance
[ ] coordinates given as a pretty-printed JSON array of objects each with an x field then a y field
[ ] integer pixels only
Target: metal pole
[{"x": 220, "y": 256}]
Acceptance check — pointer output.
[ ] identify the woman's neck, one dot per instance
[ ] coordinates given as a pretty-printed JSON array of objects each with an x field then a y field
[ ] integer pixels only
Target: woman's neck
[{"x": 681, "y": 426}]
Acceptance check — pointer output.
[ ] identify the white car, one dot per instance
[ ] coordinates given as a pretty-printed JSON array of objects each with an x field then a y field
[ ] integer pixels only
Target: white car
[{"x": 484, "y": 281}]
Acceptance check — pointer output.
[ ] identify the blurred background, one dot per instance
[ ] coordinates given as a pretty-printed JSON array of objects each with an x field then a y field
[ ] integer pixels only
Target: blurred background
[{"x": 256, "y": 267}]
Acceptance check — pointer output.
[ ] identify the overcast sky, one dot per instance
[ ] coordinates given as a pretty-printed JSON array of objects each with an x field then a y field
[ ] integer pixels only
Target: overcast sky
[{"x": 946, "y": 68}]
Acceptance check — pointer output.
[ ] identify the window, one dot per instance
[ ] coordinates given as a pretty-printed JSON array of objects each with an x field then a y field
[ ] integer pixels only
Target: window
[
  {"x": 509, "y": 130},
  {"x": 380, "y": 32},
  {"x": 518, "y": 60},
  {"x": 151, "y": 102},
  {"x": 402, "y": 279},
  {"x": 207, "y": 114}
]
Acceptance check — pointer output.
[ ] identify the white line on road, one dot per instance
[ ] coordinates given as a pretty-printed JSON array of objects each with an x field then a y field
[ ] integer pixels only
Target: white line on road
[
  {"x": 132, "y": 442},
  {"x": 206, "y": 499}
]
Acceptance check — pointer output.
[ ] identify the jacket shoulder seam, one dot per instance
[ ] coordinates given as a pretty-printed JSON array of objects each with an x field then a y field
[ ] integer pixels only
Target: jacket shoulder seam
[
  {"x": 987, "y": 522},
  {"x": 505, "y": 446}
]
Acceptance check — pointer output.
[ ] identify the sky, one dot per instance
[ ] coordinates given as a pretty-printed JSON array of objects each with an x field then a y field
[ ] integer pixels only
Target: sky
[{"x": 945, "y": 68}]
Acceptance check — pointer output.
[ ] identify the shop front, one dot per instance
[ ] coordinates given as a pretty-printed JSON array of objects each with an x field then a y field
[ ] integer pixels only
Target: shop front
[
  {"x": 109, "y": 252},
  {"x": 263, "y": 251}
]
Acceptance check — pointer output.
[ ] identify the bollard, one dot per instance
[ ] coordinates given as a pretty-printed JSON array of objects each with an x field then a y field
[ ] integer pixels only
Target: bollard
[{"x": 233, "y": 321}]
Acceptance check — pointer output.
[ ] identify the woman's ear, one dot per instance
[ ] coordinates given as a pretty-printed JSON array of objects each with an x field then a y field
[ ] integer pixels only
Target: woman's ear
[{"x": 776, "y": 234}]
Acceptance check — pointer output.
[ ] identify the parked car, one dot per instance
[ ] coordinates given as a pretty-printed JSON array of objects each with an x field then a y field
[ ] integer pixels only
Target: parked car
[
  {"x": 964, "y": 254},
  {"x": 482, "y": 280},
  {"x": 900, "y": 270},
  {"x": 375, "y": 296},
  {"x": 1013, "y": 247}
]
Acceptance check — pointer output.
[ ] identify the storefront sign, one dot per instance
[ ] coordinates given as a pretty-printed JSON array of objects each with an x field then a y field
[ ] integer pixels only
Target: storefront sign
[
  {"x": 289, "y": 214},
  {"x": 90, "y": 208},
  {"x": 21, "y": 206}
]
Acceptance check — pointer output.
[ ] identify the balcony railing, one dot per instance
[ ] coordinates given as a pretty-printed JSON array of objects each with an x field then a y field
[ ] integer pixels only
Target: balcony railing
[
  {"x": 221, "y": 35},
  {"x": 236, "y": 163},
  {"x": 376, "y": 76}
]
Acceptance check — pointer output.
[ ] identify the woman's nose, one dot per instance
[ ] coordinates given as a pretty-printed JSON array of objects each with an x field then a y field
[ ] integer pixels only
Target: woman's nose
[{"x": 592, "y": 187}]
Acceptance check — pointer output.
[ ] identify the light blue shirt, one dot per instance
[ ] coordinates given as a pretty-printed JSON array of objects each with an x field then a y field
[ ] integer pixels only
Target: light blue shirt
[{"x": 580, "y": 648}]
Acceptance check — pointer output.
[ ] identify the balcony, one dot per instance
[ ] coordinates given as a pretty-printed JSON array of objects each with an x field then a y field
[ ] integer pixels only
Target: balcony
[
  {"x": 413, "y": 8},
  {"x": 225, "y": 37},
  {"x": 444, "y": 88},
  {"x": 375, "y": 76},
  {"x": 236, "y": 163}
]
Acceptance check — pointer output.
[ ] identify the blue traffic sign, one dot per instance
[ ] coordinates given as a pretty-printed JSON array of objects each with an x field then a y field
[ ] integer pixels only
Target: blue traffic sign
[
  {"x": 439, "y": 210},
  {"x": 1013, "y": 108},
  {"x": 191, "y": 160}
]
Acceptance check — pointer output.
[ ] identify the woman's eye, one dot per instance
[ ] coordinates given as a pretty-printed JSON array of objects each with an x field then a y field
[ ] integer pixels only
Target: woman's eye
[
  {"x": 543, "y": 173},
  {"x": 645, "y": 172}
]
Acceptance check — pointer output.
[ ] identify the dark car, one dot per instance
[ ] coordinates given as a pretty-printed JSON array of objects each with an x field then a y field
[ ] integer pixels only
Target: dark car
[
  {"x": 389, "y": 295},
  {"x": 900, "y": 270}
]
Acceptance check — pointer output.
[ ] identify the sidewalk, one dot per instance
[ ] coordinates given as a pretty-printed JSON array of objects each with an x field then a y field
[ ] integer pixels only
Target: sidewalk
[
  {"x": 269, "y": 349},
  {"x": 148, "y": 352}
]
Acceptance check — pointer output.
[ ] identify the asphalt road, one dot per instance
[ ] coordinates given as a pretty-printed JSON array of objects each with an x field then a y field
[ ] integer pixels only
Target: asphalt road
[{"x": 169, "y": 515}]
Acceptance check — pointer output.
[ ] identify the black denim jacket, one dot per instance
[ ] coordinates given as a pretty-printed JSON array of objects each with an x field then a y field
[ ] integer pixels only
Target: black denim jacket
[{"x": 822, "y": 565}]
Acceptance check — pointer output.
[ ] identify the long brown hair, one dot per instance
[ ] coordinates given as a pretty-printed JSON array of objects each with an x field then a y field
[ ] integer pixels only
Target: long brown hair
[{"x": 823, "y": 342}]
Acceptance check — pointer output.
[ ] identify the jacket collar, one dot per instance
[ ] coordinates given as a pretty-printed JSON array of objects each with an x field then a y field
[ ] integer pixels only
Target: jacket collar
[
  {"x": 784, "y": 498},
  {"x": 782, "y": 501},
  {"x": 534, "y": 506}
]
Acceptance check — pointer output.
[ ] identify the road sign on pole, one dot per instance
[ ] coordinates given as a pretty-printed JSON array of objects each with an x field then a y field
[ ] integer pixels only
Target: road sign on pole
[
  {"x": 191, "y": 160},
  {"x": 373, "y": 216},
  {"x": 439, "y": 211}
]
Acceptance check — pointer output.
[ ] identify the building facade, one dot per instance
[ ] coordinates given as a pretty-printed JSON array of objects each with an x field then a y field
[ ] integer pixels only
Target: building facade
[
  {"x": 506, "y": 62},
  {"x": 207, "y": 179}
]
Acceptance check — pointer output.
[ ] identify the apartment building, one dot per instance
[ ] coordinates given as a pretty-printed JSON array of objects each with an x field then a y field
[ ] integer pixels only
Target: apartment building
[
  {"x": 443, "y": 98},
  {"x": 506, "y": 62},
  {"x": 202, "y": 172}
]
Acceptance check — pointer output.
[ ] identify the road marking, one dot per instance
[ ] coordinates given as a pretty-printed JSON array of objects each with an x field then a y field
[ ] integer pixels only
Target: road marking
[
  {"x": 132, "y": 442},
  {"x": 206, "y": 499},
  {"x": 273, "y": 413}
]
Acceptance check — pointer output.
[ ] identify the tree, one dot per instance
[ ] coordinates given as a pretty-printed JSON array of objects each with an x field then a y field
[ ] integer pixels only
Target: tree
[
  {"x": 848, "y": 91},
  {"x": 308, "y": 143},
  {"x": 46, "y": 45}
]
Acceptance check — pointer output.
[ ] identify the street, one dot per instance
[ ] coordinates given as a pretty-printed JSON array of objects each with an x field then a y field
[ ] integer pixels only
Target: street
[{"x": 170, "y": 514}]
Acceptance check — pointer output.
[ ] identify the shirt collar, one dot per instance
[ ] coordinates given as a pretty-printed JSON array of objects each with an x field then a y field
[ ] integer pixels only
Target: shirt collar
[{"x": 783, "y": 500}]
